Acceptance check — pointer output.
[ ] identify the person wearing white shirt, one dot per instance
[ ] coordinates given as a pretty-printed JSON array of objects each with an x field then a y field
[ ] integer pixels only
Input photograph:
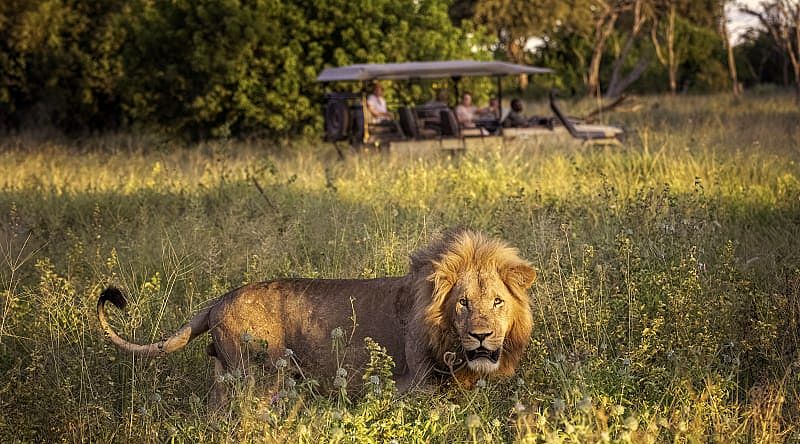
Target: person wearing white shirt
[
  {"x": 376, "y": 105},
  {"x": 466, "y": 113}
]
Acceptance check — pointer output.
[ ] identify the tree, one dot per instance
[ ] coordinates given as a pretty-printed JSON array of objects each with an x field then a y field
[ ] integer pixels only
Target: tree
[
  {"x": 596, "y": 21},
  {"x": 664, "y": 45},
  {"x": 60, "y": 63},
  {"x": 761, "y": 60},
  {"x": 514, "y": 23},
  {"x": 605, "y": 18},
  {"x": 726, "y": 38},
  {"x": 618, "y": 84},
  {"x": 781, "y": 18}
]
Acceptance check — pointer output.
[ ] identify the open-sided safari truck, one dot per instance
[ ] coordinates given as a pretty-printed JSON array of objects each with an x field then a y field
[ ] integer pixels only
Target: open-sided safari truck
[{"x": 433, "y": 126}]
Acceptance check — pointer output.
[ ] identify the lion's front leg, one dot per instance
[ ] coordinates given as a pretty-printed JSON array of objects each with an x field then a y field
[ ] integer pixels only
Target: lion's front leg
[
  {"x": 417, "y": 368},
  {"x": 404, "y": 383}
]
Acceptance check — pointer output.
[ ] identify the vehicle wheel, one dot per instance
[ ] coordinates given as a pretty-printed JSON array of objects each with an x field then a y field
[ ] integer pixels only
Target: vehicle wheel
[{"x": 337, "y": 121}]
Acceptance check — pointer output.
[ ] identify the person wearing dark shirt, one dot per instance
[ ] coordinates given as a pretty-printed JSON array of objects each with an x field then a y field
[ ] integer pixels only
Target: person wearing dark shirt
[{"x": 515, "y": 118}]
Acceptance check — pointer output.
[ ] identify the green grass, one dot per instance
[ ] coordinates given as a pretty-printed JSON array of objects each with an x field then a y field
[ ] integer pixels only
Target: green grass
[{"x": 667, "y": 307}]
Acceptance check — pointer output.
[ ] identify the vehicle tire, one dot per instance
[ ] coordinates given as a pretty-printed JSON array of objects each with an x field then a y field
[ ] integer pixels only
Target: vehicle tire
[{"x": 337, "y": 121}]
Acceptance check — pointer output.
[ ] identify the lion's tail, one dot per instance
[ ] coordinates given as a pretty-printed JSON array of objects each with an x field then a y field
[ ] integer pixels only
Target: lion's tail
[{"x": 196, "y": 326}]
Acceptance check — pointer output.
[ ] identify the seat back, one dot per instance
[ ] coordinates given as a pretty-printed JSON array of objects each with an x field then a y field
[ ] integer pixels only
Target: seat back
[
  {"x": 408, "y": 123},
  {"x": 560, "y": 115},
  {"x": 570, "y": 126},
  {"x": 450, "y": 127}
]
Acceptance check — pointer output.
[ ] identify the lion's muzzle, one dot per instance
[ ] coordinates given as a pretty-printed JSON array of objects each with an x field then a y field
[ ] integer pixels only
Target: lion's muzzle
[{"x": 482, "y": 352}]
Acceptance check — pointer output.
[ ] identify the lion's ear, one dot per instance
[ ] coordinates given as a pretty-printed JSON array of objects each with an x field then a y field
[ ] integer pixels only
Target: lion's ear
[
  {"x": 520, "y": 275},
  {"x": 443, "y": 278}
]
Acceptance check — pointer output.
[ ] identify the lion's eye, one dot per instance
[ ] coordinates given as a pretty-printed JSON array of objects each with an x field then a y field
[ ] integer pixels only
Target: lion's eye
[
  {"x": 498, "y": 302},
  {"x": 463, "y": 302}
]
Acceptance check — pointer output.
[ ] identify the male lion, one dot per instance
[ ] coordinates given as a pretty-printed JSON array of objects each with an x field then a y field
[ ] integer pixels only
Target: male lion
[{"x": 462, "y": 309}]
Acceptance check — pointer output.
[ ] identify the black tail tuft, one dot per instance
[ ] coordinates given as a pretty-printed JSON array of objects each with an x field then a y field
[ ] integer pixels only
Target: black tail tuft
[{"x": 113, "y": 295}]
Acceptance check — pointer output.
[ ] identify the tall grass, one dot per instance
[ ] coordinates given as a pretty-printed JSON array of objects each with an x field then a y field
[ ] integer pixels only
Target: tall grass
[{"x": 667, "y": 306}]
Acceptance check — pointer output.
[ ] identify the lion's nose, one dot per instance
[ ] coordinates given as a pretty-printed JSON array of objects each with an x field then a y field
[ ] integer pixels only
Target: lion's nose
[{"x": 480, "y": 336}]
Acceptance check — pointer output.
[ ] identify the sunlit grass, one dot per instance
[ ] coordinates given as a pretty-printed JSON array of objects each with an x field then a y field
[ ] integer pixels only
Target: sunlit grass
[{"x": 667, "y": 306}]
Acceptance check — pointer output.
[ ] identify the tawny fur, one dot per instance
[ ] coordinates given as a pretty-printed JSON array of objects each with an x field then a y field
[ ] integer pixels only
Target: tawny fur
[{"x": 464, "y": 291}]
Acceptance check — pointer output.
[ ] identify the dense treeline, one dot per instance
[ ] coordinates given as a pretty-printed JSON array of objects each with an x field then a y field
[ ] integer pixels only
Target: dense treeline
[
  {"x": 211, "y": 68},
  {"x": 200, "y": 67}
]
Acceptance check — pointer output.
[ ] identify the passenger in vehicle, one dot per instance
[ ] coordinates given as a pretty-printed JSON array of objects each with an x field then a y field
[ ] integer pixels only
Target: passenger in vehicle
[
  {"x": 376, "y": 105},
  {"x": 441, "y": 100},
  {"x": 515, "y": 118},
  {"x": 489, "y": 118},
  {"x": 429, "y": 112},
  {"x": 492, "y": 111},
  {"x": 465, "y": 111}
]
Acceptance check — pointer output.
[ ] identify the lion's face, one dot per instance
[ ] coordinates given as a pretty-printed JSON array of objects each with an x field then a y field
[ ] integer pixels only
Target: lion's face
[
  {"x": 474, "y": 302},
  {"x": 481, "y": 304}
]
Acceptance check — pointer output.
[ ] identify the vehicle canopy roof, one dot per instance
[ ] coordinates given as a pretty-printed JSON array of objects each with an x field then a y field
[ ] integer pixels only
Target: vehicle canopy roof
[{"x": 425, "y": 70}]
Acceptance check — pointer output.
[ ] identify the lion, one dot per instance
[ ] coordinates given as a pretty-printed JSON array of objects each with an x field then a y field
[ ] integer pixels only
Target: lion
[{"x": 461, "y": 312}]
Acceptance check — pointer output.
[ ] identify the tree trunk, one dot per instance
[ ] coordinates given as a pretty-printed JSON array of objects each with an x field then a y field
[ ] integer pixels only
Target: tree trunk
[
  {"x": 797, "y": 92},
  {"x": 516, "y": 53},
  {"x": 670, "y": 59},
  {"x": 672, "y": 66},
  {"x": 616, "y": 72},
  {"x": 603, "y": 29},
  {"x": 617, "y": 85},
  {"x": 797, "y": 83},
  {"x": 731, "y": 59},
  {"x": 793, "y": 12},
  {"x": 796, "y": 14}
]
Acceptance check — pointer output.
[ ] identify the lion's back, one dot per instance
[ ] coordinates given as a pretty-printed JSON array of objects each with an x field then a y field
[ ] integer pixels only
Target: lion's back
[{"x": 300, "y": 314}]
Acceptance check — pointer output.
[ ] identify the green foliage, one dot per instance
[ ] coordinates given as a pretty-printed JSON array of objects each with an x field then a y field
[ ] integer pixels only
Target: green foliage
[
  {"x": 199, "y": 67},
  {"x": 760, "y": 61},
  {"x": 703, "y": 53},
  {"x": 699, "y": 51},
  {"x": 251, "y": 65},
  {"x": 60, "y": 63},
  {"x": 205, "y": 68},
  {"x": 219, "y": 68}
]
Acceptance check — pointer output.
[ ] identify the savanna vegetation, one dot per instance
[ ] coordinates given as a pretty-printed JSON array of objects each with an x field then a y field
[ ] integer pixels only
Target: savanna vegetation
[
  {"x": 171, "y": 148},
  {"x": 205, "y": 69},
  {"x": 667, "y": 307}
]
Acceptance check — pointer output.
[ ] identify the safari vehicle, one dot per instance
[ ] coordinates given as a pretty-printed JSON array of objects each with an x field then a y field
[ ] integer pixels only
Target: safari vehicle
[{"x": 434, "y": 126}]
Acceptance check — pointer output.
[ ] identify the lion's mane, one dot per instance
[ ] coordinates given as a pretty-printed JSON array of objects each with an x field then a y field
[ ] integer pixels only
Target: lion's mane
[{"x": 435, "y": 270}]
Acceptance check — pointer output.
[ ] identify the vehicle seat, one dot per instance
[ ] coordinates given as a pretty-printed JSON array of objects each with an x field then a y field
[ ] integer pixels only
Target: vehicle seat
[
  {"x": 408, "y": 123},
  {"x": 450, "y": 127},
  {"x": 411, "y": 126},
  {"x": 587, "y": 132}
]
